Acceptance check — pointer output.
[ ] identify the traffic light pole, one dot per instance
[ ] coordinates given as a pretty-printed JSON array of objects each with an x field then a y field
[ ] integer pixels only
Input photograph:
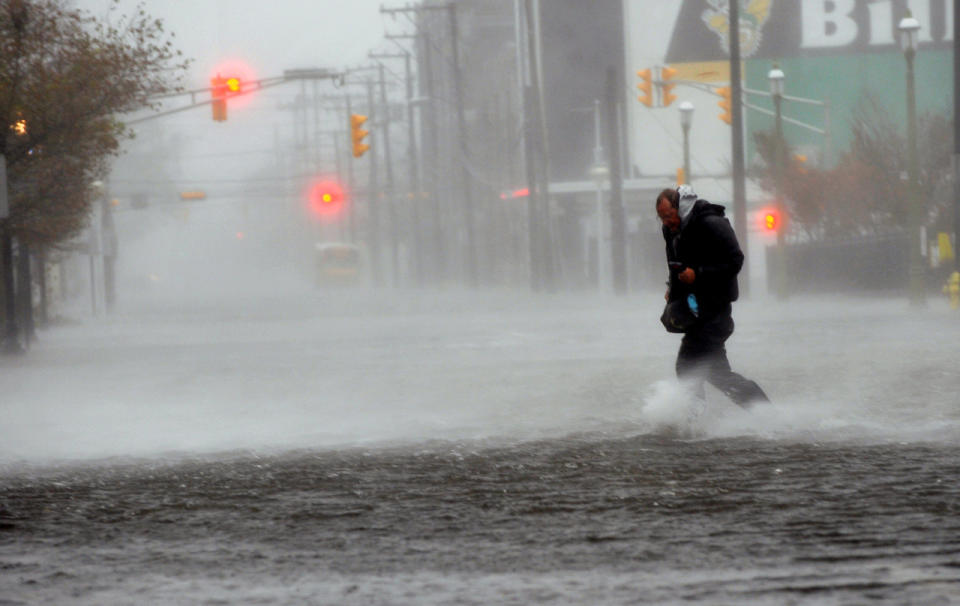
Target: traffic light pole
[
  {"x": 351, "y": 181},
  {"x": 470, "y": 255},
  {"x": 736, "y": 112}
]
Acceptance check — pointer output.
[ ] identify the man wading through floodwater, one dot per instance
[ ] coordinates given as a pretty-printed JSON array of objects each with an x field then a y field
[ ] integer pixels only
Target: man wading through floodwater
[{"x": 704, "y": 259}]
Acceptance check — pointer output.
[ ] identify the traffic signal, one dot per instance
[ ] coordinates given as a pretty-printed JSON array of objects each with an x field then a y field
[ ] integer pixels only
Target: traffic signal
[
  {"x": 725, "y": 104},
  {"x": 667, "y": 74},
  {"x": 646, "y": 87},
  {"x": 800, "y": 161},
  {"x": 218, "y": 91},
  {"x": 357, "y": 134},
  {"x": 770, "y": 220},
  {"x": 326, "y": 199}
]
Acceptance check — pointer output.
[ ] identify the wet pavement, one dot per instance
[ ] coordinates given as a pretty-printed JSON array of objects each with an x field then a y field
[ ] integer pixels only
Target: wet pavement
[{"x": 585, "y": 519}]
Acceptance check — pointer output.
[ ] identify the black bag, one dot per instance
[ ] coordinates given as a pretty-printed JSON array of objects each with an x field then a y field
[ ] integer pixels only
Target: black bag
[{"x": 677, "y": 316}]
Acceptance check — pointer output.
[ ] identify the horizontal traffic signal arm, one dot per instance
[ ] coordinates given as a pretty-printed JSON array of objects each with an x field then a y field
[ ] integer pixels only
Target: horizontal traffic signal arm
[
  {"x": 823, "y": 104},
  {"x": 247, "y": 87},
  {"x": 649, "y": 81}
]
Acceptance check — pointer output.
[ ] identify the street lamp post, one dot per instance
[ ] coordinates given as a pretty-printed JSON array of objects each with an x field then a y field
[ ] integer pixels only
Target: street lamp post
[
  {"x": 686, "y": 119},
  {"x": 776, "y": 79},
  {"x": 908, "y": 29}
]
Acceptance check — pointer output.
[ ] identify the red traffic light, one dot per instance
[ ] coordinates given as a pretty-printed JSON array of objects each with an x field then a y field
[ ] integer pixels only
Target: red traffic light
[
  {"x": 233, "y": 79},
  {"x": 770, "y": 220},
  {"x": 327, "y": 199}
]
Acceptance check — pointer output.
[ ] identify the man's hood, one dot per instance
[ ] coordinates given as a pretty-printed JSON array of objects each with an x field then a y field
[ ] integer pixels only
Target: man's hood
[
  {"x": 687, "y": 199},
  {"x": 701, "y": 208}
]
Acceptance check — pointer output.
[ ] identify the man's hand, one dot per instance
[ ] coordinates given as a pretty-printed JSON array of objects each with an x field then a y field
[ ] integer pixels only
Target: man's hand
[{"x": 687, "y": 276}]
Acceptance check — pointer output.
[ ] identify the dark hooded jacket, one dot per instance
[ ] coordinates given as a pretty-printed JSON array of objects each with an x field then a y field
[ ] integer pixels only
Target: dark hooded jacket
[{"x": 706, "y": 242}]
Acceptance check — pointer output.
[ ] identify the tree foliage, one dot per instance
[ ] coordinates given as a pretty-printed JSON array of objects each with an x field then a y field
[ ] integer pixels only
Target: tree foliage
[
  {"x": 65, "y": 78},
  {"x": 866, "y": 192}
]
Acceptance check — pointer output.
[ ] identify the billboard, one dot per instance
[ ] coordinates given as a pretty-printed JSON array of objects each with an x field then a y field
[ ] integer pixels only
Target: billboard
[
  {"x": 774, "y": 29},
  {"x": 838, "y": 53}
]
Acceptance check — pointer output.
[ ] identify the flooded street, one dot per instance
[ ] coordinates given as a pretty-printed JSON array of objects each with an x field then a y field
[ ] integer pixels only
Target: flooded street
[
  {"x": 435, "y": 449},
  {"x": 586, "y": 519}
]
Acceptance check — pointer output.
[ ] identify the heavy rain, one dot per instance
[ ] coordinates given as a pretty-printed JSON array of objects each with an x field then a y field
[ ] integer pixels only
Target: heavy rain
[{"x": 360, "y": 302}]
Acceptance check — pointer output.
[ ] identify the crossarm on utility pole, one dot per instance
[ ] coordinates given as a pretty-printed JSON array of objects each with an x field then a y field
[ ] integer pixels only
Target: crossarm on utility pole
[{"x": 763, "y": 93}]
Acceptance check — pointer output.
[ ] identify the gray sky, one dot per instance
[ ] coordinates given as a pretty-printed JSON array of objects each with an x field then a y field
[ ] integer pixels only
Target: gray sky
[{"x": 268, "y": 38}]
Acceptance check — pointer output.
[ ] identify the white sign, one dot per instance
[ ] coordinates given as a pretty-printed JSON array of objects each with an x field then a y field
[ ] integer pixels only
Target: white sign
[{"x": 832, "y": 23}]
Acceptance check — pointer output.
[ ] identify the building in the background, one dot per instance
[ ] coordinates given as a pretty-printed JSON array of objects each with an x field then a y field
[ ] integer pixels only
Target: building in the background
[
  {"x": 842, "y": 65},
  {"x": 578, "y": 43}
]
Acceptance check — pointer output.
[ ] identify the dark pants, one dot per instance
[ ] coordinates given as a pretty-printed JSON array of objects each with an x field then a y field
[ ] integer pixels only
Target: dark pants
[{"x": 703, "y": 357}]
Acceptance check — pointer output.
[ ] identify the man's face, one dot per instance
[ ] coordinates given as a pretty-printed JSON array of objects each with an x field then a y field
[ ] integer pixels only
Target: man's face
[{"x": 668, "y": 215}]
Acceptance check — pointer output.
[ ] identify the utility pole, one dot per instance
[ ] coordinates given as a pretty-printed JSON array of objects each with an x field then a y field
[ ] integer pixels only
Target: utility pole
[
  {"x": 430, "y": 132},
  {"x": 537, "y": 259},
  {"x": 470, "y": 255},
  {"x": 25, "y": 292},
  {"x": 736, "y": 123},
  {"x": 415, "y": 186},
  {"x": 109, "y": 243},
  {"x": 351, "y": 180},
  {"x": 430, "y": 125},
  {"x": 315, "y": 146},
  {"x": 545, "y": 203},
  {"x": 618, "y": 230},
  {"x": 956, "y": 135},
  {"x": 520, "y": 16},
  {"x": 533, "y": 223},
  {"x": 373, "y": 199},
  {"x": 389, "y": 191},
  {"x": 540, "y": 190},
  {"x": 10, "y": 343},
  {"x": 414, "y": 178}
]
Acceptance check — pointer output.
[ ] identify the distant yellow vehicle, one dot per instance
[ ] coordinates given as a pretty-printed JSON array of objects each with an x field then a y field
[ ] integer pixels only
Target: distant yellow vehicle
[{"x": 337, "y": 264}]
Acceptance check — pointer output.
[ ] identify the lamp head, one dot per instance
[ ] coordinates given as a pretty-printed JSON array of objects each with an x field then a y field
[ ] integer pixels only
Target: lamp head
[
  {"x": 686, "y": 114},
  {"x": 909, "y": 30},
  {"x": 776, "y": 78}
]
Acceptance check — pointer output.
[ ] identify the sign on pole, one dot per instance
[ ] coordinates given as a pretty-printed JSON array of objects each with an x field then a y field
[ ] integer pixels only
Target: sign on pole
[{"x": 4, "y": 200}]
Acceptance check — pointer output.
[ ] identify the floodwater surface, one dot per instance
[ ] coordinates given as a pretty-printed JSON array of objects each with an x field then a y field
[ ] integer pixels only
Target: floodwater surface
[{"x": 597, "y": 518}]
